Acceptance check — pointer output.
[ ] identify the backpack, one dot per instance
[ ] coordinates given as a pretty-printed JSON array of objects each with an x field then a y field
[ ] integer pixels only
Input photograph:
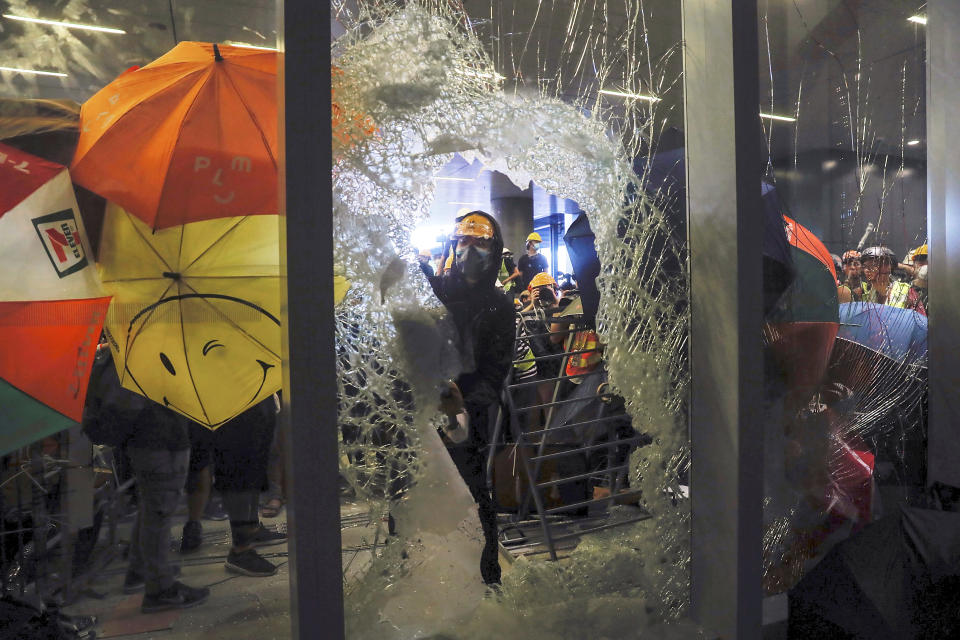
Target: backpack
[{"x": 110, "y": 414}]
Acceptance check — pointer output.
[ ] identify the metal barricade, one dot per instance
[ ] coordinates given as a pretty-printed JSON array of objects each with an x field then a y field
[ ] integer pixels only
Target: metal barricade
[{"x": 607, "y": 414}]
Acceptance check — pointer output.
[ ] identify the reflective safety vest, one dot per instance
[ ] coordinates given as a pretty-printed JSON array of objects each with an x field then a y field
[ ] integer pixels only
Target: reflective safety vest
[
  {"x": 898, "y": 295},
  {"x": 503, "y": 275},
  {"x": 583, "y": 363}
]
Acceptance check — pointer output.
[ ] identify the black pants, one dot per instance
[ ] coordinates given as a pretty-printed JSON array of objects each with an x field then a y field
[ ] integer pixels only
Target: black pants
[{"x": 471, "y": 462}]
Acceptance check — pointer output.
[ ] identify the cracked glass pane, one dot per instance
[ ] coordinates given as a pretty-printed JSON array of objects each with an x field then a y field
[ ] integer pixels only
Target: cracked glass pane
[
  {"x": 842, "y": 107},
  {"x": 580, "y": 104}
]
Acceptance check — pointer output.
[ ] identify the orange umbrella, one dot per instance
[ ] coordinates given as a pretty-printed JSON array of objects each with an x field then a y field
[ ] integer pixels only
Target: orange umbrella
[{"x": 191, "y": 136}]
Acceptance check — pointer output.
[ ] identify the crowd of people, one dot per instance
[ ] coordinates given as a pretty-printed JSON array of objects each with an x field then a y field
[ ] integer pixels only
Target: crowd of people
[
  {"x": 875, "y": 275},
  {"x": 167, "y": 454},
  {"x": 508, "y": 314}
]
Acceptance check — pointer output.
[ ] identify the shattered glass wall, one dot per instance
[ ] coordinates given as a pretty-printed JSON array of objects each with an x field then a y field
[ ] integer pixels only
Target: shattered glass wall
[
  {"x": 579, "y": 98},
  {"x": 842, "y": 107}
]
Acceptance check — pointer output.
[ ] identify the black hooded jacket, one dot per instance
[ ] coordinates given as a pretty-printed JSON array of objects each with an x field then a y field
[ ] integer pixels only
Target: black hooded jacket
[{"x": 485, "y": 326}]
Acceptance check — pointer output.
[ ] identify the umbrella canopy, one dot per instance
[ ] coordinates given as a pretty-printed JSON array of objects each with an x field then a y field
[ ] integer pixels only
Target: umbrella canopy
[
  {"x": 195, "y": 324},
  {"x": 52, "y": 307},
  {"x": 802, "y": 326},
  {"x": 191, "y": 136},
  {"x": 899, "y": 334}
]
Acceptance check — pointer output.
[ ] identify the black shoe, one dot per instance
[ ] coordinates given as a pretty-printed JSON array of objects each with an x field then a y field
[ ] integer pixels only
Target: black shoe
[
  {"x": 265, "y": 537},
  {"x": 134, "y": 582},
  {"x": 191, "y": 539},
  {"x": 249, "y": 563},
  {"x": 178, "y": 596},
  {"x": 214, "y": 509}
]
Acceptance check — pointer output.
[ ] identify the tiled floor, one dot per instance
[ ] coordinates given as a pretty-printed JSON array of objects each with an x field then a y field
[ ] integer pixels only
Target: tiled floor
[{"x": 239, "y": 607}]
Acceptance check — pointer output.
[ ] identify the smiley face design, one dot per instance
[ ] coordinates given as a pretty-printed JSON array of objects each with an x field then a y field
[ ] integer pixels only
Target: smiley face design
[{"x": 206, "y": 356}]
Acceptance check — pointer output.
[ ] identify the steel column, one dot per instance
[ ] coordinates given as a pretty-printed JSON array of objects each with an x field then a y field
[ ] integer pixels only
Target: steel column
[
  {"x": 943, "y": 230},
  {"x": 309, "y": 375},
  {"x": 724, "y": 167}
]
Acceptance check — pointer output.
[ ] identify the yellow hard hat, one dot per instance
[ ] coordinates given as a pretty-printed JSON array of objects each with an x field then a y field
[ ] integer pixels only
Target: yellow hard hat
[
  {"x": 474, "y": 225},
  {"x": 919, "y": 251},
  {"x": 535, "y": 237},
  {"x": 424, "y": 252},
  {"x": 541, "y": 279}
]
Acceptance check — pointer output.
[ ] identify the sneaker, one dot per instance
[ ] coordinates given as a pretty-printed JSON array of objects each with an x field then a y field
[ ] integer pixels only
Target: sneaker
[
  {"x": 214, "y": 509},
  {"x": 178, "y": 596},
  {"x": 249, "y": 563},
  {"x": 266, "y": 538},
  {"x": 134, "y": 582},
  {"x": 191, "y": 539}
]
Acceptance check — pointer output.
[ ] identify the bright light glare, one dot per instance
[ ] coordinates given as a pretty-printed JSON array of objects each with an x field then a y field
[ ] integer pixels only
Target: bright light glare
[
  {"x": 244, "y": 45},
  {"x": 918, "y": 19},
  {"x": 68, "y": 25},
  {"x": 469, "y": 204},
  {"x": 453, "y": 179},
  {"x": 635, "y": 96},
  {"x": 425, "y": 236},
  {"x": 33, "y": 72},
  {"x": 913, "y": 142},
  {"x": 770, "y": 116}
]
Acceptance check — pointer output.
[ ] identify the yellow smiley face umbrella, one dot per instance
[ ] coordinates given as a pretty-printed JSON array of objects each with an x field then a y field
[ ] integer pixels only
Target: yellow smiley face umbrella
[{"x": 194, "y": 323}]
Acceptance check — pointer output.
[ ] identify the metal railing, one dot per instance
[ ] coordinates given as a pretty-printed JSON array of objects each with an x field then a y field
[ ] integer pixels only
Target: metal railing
[{"x": 606, "y": 416}]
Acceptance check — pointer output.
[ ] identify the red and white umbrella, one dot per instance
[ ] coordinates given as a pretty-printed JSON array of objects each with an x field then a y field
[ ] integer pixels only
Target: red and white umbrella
[{"x": 52, "y": 307}]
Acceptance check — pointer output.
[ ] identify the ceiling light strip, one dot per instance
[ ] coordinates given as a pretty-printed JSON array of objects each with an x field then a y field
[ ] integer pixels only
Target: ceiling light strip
[
  {"x": 918, "y": 19},
  {"x": 34, "y": 72},
  {"x": 624, "y": 94},
  {"x": 68, "y": 25},
  {"x": 770, "y": 116}
]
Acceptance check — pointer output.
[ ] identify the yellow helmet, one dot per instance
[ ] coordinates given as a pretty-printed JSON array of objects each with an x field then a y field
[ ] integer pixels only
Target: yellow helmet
[
  {"x": 919, "y": 251},
  {"x": 541, "y": 279},
  {"x": 535, "y": 237},
  {"x": 425, "y": 253},
  {"x": 474, "y": 225}
]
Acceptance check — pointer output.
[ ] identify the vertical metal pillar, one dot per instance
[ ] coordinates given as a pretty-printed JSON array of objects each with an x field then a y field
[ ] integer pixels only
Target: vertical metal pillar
[
  {"x": 309, "y": 376},
  {"x": 724, "y": 163},
  {"x": 943, "y": 230}
]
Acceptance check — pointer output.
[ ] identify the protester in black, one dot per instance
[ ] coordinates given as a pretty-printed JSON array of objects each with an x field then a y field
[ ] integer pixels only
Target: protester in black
[
  {"x": 484, "y": 319},
  {"x": 156, "y": 441}
]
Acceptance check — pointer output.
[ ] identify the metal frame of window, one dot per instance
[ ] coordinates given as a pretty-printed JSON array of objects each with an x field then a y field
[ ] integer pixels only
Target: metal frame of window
[
  {"x": 724, "y": 168},
  {"x": 943, "y": 230},
  {"x": 309, "y": 374}
]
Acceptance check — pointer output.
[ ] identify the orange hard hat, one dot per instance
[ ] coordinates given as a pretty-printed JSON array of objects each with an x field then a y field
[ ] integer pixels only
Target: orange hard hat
[
  {"x": 474, "y": 225},
  {"x": 540, "y": 280}
]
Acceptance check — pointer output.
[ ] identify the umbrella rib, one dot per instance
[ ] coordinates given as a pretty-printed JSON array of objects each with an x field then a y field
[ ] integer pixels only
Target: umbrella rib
[
  {"x": 215, "y": 243},
  {"x": 175, "y": 141},
  {"x": 186, "y": 358},
  {"x": 252, "y": 116},
  {"x": 233, "y": 324},
  {"x": 131, "y": 340},
  {"x": 145, "y": 241}
]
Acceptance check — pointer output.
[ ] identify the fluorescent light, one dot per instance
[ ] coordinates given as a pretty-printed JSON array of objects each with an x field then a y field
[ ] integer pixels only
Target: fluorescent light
[
  {"x": 913, "y": 142},
  {"x": 635, "y": 96},
  {"x": 33, "y": 72},
  {"x": 918, "y": 19},
  {"x": 453, "y": 179},
  {"x": 770, "y": 116},
  {"x": 472, "y": 204},
  {"x": 68, "y": 25},
  {"x": 244, "y": 45}
]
